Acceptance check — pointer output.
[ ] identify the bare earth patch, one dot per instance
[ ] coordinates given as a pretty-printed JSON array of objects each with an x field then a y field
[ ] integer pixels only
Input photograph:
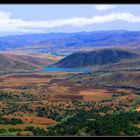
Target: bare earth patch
[
  {"x": 29, "y": 121},
  {"x": 96, "y": 94}
]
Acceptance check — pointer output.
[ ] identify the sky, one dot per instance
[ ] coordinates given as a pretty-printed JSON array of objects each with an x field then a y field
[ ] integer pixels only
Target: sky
[{"x": 45, "y": 18}]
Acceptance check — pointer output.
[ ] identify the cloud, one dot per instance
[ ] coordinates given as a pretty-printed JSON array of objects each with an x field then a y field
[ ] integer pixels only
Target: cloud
[
  {"x": 9, "y": 24},
  {"x": 104, "y": 7},
  {"x": 5, "y": 15}
]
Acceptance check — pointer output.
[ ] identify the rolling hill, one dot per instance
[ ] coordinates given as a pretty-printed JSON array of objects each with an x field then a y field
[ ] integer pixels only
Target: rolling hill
[
  {"x": 15, "y": 63},
  {"x": 96, "y": 57}
]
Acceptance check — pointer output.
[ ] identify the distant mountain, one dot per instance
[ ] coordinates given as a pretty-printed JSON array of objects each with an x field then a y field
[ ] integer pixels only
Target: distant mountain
[
  {"x": 70, "y": 41},
  {"x": 15, "y": 41},
  {"x": 97, "y": 57}
]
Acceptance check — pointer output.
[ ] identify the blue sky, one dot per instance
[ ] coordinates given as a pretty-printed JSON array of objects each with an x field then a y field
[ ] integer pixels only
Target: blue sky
[{"x": 21, "y": 19}]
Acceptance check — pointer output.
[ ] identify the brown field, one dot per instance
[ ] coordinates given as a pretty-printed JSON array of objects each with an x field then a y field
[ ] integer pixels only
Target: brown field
[
  {"x": 100, "y": 94},
  {"x": 95, "y": 95},
  {"x": 17, "y": 82},
  {"x": 55, "y": 85}
]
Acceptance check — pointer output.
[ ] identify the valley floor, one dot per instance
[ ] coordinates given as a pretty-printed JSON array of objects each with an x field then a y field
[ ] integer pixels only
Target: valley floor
[{"x": 40, "y": 102}]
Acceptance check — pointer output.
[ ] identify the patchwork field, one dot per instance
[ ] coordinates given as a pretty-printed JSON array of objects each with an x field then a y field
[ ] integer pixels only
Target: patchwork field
[
  {"x": 31, "y": 104},
  {"x": 57, "y": 86}
]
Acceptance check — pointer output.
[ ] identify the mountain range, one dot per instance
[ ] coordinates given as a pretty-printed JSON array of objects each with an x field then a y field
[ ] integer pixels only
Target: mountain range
[{"x": 52, "y": 42}]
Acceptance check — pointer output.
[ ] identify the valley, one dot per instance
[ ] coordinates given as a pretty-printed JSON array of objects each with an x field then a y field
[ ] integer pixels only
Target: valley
[{"x": 70, "y": 93}]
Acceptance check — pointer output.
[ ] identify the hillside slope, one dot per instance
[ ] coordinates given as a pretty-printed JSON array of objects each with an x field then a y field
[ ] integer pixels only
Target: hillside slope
[
  {"x": 96, "y": 57},
  {"x": 12, "y": 62}
]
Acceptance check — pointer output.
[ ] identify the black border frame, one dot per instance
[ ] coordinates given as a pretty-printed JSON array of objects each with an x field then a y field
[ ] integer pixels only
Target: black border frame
[{"x": 13, "y": 2}]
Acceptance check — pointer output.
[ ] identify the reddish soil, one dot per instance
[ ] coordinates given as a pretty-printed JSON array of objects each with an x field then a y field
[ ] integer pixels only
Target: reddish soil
[
  {"x": 75, "y": 97},
  {"x": 30, "y": 76}
]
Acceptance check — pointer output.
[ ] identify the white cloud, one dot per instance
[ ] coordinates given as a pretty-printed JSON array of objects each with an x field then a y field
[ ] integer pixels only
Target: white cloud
[
  {"x": 5, "y": 15},
  {"x": 104, "y": 7},
  {"x": 9, "y": 24}
]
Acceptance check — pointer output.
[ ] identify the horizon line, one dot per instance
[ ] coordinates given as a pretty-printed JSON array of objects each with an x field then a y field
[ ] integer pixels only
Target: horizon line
[{"x": 18, "y": 34}]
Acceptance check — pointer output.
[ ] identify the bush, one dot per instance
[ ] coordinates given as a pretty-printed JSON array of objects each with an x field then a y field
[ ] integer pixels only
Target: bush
[{"x": 12, "y": 121}]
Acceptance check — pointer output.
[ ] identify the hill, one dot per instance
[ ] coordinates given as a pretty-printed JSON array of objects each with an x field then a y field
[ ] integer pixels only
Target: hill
[
  {"x": 133, "y": 65},
  {"x": 13, "y": 63},
  {"x": 96, "y": 57}
]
